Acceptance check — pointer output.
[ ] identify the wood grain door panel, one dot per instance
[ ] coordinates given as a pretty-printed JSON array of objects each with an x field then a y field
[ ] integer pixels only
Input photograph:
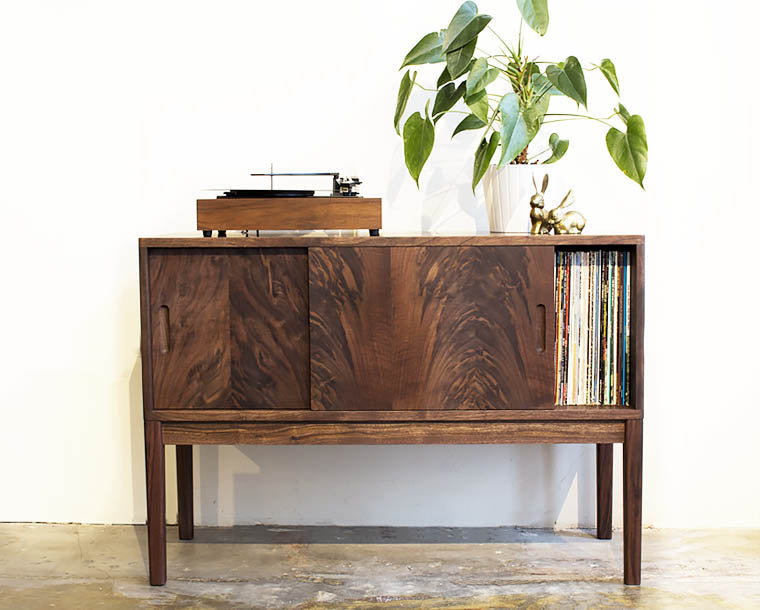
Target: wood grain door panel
[
  {"x": 233, "y": 331},
  {"x": 408, "y": 328}
]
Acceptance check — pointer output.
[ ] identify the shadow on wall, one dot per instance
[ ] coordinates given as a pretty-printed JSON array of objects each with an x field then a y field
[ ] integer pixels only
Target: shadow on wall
[
  {"x": 137, "y": 443},
  {"x": 446, "y": 203},
  {"x": 458, "y": 486}
]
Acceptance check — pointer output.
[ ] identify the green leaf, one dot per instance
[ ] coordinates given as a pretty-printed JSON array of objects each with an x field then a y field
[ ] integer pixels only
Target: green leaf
[
  {"x": 623, "y": 113},
  {"x": 608, "y": 69},
  {"x": 426, "y": 51},
  {"x": 457, "y": 61},
  {"x": 534, "y": 114},
  {"x": 491, "y": 75},
  {"x": 629, "y": 149},
  {"x": 559, "y": 148},
  {"x": 478, "y": 103},
  {"x": 514, "y": 131},
  {"x": 535, "y": 13},
  {"x": 477, "y": 72},
  {"x": 446, "y": 98},
  {"x": 468, "y": 122},
  {"x": 480, "y": 76},
  {"x": 483, "y": 157},
  {"x": 542, "y": 86},
  {"x": 404, "y": 91},
  {"x": 464, "y": 27},
  {"x": 444, "y": 78},
  {"x": 569, "y": 79},
  {"x": 419, "y": 135}
]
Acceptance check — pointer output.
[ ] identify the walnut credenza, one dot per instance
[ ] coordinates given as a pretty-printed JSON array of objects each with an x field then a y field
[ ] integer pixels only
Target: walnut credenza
[{"x": 378, "y": 340}]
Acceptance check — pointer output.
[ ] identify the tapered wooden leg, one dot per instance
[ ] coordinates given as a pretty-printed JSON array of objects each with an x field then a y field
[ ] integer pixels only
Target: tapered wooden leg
[
  {"x": 156, "y": 494},
  {"x": 604, "y": 491},
  {"x": 185, "y": 491},
  {"x": 632, "y": 454}
]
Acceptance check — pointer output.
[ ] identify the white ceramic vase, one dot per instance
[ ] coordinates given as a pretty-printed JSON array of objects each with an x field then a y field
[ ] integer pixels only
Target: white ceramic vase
[{"x": 508, "y": 191}]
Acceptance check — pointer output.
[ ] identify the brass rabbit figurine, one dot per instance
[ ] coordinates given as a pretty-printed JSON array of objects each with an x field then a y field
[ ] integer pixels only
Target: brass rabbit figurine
[
  {"x": 570, "y": 222},
  {"x": 537, "y": 212},
  {"x": 542, "y": 223}
]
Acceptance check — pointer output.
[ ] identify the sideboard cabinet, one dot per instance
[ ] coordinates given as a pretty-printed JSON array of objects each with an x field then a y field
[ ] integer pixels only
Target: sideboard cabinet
[{"x": 379, "y": 340}]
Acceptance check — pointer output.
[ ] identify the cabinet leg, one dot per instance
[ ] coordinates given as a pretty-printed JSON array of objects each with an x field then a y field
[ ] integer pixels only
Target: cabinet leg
[
  {"x": 632, "y": 457},
  {"x": 156, "y": 494},
  {"x": 604, "y": 491},
  {"x": 185, "y": 491}
]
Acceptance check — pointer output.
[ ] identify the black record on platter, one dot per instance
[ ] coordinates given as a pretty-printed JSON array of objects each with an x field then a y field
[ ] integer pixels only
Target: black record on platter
[{"x": 263, "y": 194}]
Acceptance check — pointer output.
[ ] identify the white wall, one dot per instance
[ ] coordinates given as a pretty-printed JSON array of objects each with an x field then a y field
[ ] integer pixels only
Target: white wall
[{"x": 115, "y": 115}]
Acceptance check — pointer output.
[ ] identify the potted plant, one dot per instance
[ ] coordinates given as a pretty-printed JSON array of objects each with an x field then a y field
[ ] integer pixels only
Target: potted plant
[{"x": 507, "y": 95}]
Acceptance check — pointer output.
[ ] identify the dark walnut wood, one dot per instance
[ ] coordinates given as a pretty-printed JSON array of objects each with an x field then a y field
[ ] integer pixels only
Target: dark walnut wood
[
  {"x": 637, "y": 327},
  {"x": 395, "y": 241},
  {"x": 237, "y": 329},
  {"x": 356, "y": 340},
  {"x": 155, "y": 483},
  {"x": 560, "y": 413},
  {"x": 632, "y": 463},
  {"x": 604, "y": 491},
  {"x": 185, "y": 491},
  {"x": 432, "y": 328},
  {"x": 392, "y": 433},
  {"x": 290, "y": 213}
]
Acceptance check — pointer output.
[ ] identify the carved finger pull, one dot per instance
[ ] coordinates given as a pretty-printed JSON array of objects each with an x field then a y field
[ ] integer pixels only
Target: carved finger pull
[
  {"x": 540, "y": 328},
  {"x": 163, "y": 329}
]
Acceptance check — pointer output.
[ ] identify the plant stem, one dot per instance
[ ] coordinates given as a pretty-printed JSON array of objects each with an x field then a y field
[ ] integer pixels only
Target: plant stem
[
  {"x": 505, "y": 68},
  {"x": 425, "y": 88},
  {"x": 558, "y": 121},
  {"x": 537, "y": 154},
  {"x": 490, "y": 123},
  {"x": 519, "y": 37},
  {"x": 580, "y": 116},
  {"x": 501, "y": 40}
]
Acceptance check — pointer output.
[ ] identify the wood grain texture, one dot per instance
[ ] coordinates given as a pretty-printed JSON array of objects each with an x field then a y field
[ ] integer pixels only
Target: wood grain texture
[
  {"x": 146, "y": 338},
  {"x": 155, "y": 480},
  {"x": 228, "y": 300},
  {"x": 559, "y": 413},
  {"x": 269, "y": 329},
  {"x": 430, "y": 328},
  {"x": 392, "y": 433},
  {"x": 185, "y": 518},
  {"x": 350, "y": 334},
  {"x": 632, "y": 465},
  {"x": 386, "y": 240},
  {"x": 637, "y": 327},
  {"x": 290, "y": 213},
  {"x": 238, "y": 327},
  {"x": 604, "y": 459},
  {"x": 193, "y": 286}
]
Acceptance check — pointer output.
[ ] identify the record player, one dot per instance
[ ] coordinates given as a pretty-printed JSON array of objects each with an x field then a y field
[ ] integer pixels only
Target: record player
[{"x": 291, "y": 209}]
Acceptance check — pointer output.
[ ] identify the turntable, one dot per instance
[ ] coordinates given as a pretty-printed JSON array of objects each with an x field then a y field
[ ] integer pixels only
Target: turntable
[{"x": 291, "y": 209}]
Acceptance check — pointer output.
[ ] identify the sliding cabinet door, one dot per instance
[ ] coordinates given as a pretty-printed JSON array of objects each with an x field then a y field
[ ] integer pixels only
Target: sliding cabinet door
[
  {"x": 408, "y": 328},
  {"x": 229, "y": 328}
]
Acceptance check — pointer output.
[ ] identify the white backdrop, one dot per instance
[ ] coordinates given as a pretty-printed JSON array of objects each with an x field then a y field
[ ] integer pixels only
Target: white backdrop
[{"x": 115, "y": 115}]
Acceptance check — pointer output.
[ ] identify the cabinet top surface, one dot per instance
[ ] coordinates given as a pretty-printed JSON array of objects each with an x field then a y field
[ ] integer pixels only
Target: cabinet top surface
[{"x": 278, "y": 240}]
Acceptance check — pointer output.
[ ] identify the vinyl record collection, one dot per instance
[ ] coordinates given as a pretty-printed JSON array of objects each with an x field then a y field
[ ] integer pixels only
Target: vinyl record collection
[{"x": 593, "y": 304}]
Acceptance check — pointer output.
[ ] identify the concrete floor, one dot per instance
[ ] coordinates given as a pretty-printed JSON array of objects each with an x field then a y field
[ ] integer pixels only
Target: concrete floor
[{"x": 81, "y": 566}]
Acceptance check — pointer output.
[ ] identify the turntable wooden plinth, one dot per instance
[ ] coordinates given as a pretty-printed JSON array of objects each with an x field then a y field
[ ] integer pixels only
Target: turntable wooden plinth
[{"x": 289, "y": 213}]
